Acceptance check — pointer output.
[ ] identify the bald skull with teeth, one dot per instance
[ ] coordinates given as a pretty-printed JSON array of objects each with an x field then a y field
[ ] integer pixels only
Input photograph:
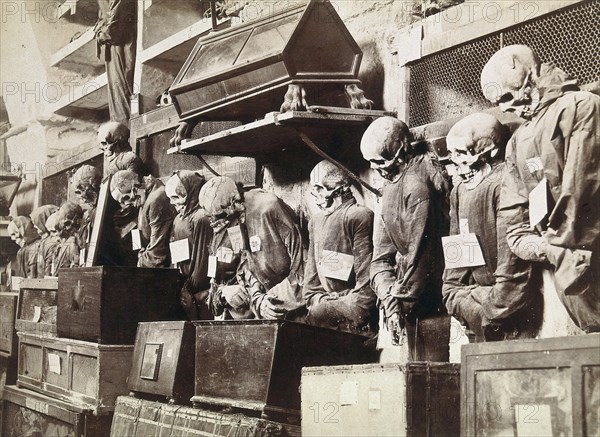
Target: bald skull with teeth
[
  {"x": 508, "y": 80},
  {"x": 87, "y": 181},
  {"x": 386, "y": 144},
  {"x": 176, "y": 193},
  {"x": 475, "y": 143},
  {"x": 328, "y": 184}
]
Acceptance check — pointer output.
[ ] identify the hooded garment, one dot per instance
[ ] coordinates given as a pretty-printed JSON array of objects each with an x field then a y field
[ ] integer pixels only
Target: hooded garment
[
  {"x": 504, "y": 275},
  {"x": 332, "y": 302},
  {"x": 408, "y": 259},
  {"x": 194, "y": 226},
  {"x": 561, "y": 143},
  {"x": 155, "y": 222},
  {"x": 48, "y": 245},
  {"x": 26, "y": 265}
]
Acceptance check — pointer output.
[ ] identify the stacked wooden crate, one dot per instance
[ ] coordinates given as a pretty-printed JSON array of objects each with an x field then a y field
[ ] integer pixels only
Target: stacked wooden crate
[{"x": 75, "y": 346}]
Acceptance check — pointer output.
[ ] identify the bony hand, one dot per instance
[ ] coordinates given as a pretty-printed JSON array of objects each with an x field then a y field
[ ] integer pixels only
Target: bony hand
[
  {"x": 270, "y": 309},
  {"x": 395, "y": 325},
  {"x": 103, "y": 38}
]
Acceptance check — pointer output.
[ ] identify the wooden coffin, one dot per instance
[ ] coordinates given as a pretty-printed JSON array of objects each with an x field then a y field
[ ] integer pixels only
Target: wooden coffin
[
  {"x": 8, "y": 334},
  {"x": 142, "y": 418},
  {"x": 548, "y": 387},
  {"x": 37, "y": 306},
  {"x": 79, "y": 372},
  {"x": 416, "y": 399},
  {"x": 256, "y": 364},
  {"x": 104, "y": 304},
  {"x": 26, "y": 413},
  {"x": 8, "y": 372},
  {"x": 163, "y": 360}
]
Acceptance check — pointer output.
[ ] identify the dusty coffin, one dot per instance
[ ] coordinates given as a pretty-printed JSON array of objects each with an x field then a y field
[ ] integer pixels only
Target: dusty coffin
[
  {"x": 244, "y": 71},
  {"x": 8, "y": 335},
  {"x": 142, "y": 418},
  {"x": 26, "y": 413},
  {"x": 256, "y": 364},
  {"x": 531, "y": 387},
  {"x": 37, "y": 306},
  {"x": 163, "y": 360},
  {"x": 88, "y": 374},
  {"x": 104, "y": 304},
  {"x": 416, "y": 399}
]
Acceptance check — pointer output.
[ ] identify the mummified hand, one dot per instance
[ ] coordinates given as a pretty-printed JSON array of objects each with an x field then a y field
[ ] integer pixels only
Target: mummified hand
[{"x": 395, "y": 325}]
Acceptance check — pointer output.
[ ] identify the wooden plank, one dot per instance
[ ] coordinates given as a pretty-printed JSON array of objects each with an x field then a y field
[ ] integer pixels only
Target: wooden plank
[
  {"x": 79, "y": 55},
  {"x": 71, "y": 158},
  {"x": 276, "y": 132}
]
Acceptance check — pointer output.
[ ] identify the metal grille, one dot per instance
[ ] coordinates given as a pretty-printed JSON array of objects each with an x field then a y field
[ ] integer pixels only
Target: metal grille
[{"x": 446, "y": 84}]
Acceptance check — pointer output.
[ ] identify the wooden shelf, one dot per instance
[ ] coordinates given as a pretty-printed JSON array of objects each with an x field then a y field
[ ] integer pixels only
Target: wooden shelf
[
  {"x": 176, "y": 48},
  {"x": 279, "y": 131},
  {"x": 85, "y": 101},
  {"x": 79, "y": 56}
]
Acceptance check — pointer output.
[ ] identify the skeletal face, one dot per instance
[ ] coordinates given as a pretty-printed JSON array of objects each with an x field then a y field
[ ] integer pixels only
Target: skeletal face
[
  {"x": 135, "y": 198},
  {"x": 52, "y": 226},
  {"x": 386, "y": 145},
  {"x": 327, "y": 182},
  {"x": 508, "y": 80},
  {"x": 177, "y": 194},
  {"x": 87, "y": 194},
  {"x": 15, "y": 234},
  {"x": 221, "y": 200},
  {"x": 69, "y": 220},
  {"x": 111, "y": 136}
]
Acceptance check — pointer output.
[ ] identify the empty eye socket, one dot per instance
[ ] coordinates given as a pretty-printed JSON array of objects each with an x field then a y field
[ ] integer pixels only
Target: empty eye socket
[{"x": 506, "y": 97}]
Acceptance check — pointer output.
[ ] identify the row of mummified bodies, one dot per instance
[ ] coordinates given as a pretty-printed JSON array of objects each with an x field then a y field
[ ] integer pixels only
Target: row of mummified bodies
[{"x": 248, "y": 257}]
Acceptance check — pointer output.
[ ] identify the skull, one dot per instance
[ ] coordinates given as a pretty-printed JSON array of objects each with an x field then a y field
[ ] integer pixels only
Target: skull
[
  {"x": 177, "y": 193},
  {"x": 327, "y": 182},
  {"x": 386, "y": 145},
  {"x": 69, "y": 219},
  {"x": 474, "y": 143},
  {"x": 87, "y": 184},
  {"x": 222, "y": 201},
  {"x": 39, "y": 217},
  {"x": 127, "y": 188},
  {"x": 15, "y": 234},
  {"x": 508, "y": 80},
  {"x": 113, "y": 138},
  {"x": 52, "y": 226}
]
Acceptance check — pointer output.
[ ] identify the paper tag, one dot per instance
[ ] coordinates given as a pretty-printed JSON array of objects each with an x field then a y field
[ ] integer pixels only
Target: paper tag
[
  {"x": 82, "y": 257},
  {"x": 170, "y": 353},
  {"x": 374, "y": 399},
  {"x": 336, "y": 265},
  {"x": 15, "y": 283},
  {"x": 136, "y": 239},
  {"x": 236, "y": 238},
  {"x": 349, "y": 393},
  {"x": 532, "y": 420},
  {"x": 37, "y": 314},
  {"x": 538, "y": 203},
  {"x": 224, "y": 255},
  {"x": 463, "y": 225},
  {"x": 212, "y": 266},
  {"x": 54, "y": 363},
  {"x": 255, "y": 243},
  {"x": 462, "y": 251},
  {"x": 180, "y": 250}
]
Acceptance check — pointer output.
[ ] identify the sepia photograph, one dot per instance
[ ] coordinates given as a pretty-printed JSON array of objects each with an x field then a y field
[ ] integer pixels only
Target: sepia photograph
[{"x": 300, "y": 218}]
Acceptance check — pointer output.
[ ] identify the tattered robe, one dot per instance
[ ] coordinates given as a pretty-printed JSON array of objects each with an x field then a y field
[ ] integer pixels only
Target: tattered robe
[{"x": 48, "y": 245}]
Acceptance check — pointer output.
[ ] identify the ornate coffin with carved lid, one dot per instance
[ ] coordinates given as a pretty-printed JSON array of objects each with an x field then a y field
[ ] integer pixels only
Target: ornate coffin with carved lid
[{"x": 104, "y": 304}]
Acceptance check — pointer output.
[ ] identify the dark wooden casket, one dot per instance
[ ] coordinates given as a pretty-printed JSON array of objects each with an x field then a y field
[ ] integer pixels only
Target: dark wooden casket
[
  {"x": 163, "y": 360},
  {"x": 8, "y": 334},
  {"x": 26, "y": 413},
  {"x": 142, "y": 418},
  {"x": 256, "y": 364},
  {"x": 37, "y": 306},
  {"x": 531, "y": 387},
  {"x": 104, "y": 304},
  {"x": 74, "y": 371},
  {"x": 416, "y": 399}
]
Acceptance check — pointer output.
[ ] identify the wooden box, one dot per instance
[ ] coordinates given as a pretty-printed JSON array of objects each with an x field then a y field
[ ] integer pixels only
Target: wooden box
[
  {"x": 104, "y": 304},
  {"x": 142, "y": 418},
  {"x": 256, "y": 364},
  {"x": 26, "y": 413},
  {"x": 548, "y": 387},
  {"x": 163, "y": 360},
  {"x": 8, "y": 334},
  {"x": 416, "y": 399},
  {"x": 37, "y": 306},
  {"x": 8, "y": 372},
  {"x": 74, "y": 371}
]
